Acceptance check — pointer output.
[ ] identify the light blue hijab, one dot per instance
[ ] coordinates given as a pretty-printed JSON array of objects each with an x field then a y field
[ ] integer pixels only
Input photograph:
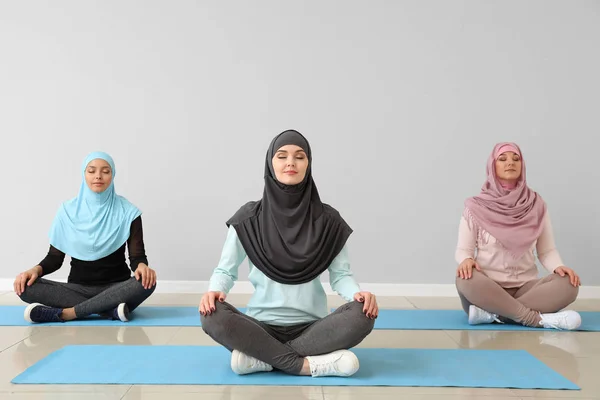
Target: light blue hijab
[{"x": 93, "y": 225}]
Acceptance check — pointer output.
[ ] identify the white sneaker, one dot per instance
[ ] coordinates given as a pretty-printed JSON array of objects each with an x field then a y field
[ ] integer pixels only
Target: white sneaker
[
  {"x": 338, "y": 363},
  {"x": 243, "y": 364},
  {"x": 478, "y": 316},
  {"x": 564, "y": 320}
]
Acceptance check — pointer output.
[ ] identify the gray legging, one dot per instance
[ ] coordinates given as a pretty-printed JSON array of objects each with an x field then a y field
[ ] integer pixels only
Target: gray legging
[
  {"x": 284, "y": 347},
  {"x": 521, "y": 305},
  {"x": 86, "y": 299}
]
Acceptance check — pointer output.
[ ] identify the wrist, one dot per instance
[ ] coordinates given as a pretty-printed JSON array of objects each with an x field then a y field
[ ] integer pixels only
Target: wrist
[{"x": 38, "y": 269}]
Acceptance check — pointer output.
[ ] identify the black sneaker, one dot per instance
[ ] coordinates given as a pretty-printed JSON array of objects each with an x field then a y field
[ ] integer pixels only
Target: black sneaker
[{"x": 37, "y": 312}]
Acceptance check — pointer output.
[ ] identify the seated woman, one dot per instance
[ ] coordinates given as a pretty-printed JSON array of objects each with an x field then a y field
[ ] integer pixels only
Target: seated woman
[
  {"x": 290, "y": 238},
  {"x": 505, "y": 224},
  {"x": 93, "y": 228}
]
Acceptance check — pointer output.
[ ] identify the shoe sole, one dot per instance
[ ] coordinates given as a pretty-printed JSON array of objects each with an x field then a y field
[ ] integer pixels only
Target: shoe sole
[
  {"x": 235, "y": 355},
  {"x": 27, "y": 312},
  {"x": 122, "y": 313}
]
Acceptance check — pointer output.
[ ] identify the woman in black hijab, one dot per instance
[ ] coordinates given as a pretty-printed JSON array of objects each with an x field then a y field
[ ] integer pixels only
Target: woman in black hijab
[{"x": 290, "y": 238}]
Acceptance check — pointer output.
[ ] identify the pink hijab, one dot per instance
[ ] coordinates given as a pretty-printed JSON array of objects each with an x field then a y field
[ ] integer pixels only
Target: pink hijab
[{"x": 514, "y": 216}]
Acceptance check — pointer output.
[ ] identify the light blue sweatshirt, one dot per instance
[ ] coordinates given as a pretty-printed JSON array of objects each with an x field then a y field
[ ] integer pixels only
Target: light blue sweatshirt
[{"x": 277, "y": 304}]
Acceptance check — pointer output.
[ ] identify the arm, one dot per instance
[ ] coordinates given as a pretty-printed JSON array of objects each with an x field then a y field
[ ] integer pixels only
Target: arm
[
  {"x": 52, "y": 262},
  {"x": 340, "y": 276},
  {"x": 546, "y": 248},
  {"x": 467, "y": 241},
  {"x": 226, "y": 273},
  {"x": 135, "y": 245}
]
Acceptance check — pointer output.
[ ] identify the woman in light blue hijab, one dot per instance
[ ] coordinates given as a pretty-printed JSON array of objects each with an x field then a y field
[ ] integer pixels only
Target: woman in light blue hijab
[{"x": 94, "y": 229}]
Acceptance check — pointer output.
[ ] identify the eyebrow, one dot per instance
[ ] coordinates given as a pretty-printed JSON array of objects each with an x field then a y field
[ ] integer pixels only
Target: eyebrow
[{"x": 285, "y": 151}]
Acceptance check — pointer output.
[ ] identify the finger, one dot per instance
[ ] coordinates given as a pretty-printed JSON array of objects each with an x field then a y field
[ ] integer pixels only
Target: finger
[
  {"x": 145, "y": 278},
  {"x": 373, "y": 308},
  {"x": 31, "y": 280},
  {"x": 153, "y": 279},
  {"x": 23, "y": 280},
  {"x": 367, "y": 306},
  {"x": 470, "y": 271},
  {"x": 459, "y": 272},
  {"x": 211, "y": 303},
  {"x": 376, "y": 311},
  {"x": 137, "y": 274},
  {"x": 205, "y": 307},
  {"x": 222, "y": 296},
  {"x": 573, "y": 278},
  {"x": 561, "y": 272}
]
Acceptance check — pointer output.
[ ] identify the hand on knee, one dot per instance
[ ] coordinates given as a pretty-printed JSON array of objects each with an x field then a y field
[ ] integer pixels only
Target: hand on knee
[{"x": 140, "y": 287}]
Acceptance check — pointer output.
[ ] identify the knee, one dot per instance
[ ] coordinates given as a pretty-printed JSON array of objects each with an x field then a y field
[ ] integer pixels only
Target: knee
[
  {"x": 361, "y": 323},
  {"x": 570, "y": 292},
  {"x": 139, "y": 288},
  {"x": 465, "y": 284},
  {"x": 214, "y": 324},
  {"x": 28, "y": 295}
]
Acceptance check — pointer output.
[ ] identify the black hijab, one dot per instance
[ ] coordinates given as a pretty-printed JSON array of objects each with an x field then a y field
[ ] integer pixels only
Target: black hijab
[{"x": 290, "y": 235}]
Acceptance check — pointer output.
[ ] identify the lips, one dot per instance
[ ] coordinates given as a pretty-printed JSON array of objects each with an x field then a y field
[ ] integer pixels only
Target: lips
[{"x": 290, "y": 172}]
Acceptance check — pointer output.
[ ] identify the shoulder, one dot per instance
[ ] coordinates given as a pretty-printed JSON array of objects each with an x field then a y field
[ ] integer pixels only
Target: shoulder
[
  {"x": 245, "y": 212},
  {"x": 334, "y": 215}
]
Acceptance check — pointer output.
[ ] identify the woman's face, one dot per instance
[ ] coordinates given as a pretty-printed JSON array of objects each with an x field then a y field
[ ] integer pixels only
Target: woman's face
[
  {"x": 508, "y": 167},
  {"x": 290, "y": 164},
  {"x": 98, "y": 175}
]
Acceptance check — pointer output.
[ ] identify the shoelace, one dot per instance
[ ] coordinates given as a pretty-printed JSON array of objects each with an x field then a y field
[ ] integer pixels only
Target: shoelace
[
  {"x": 555, "y": 326},
  {"x": 47, "y": 314},
  {"x": 325, "y": 367}
]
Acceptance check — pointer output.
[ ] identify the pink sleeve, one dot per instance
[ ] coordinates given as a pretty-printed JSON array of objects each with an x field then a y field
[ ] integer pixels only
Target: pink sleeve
[
  {"x": 467, "y": 241},
  {"x": 546, "y": 249}
]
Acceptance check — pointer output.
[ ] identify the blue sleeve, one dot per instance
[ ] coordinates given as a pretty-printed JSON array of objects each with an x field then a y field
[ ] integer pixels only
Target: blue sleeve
[
  {"x": 340, "y": 276},
  {"x": 232, "y": 256}
]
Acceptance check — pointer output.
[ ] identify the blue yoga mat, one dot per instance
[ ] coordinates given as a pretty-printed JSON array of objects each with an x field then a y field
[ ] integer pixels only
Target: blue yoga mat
[
  {"x": 142, "y": 316},
  {"x": 210, "y": 365},
  {"x": 388, "y": 319},
  {"x": 457, "y": 320}
]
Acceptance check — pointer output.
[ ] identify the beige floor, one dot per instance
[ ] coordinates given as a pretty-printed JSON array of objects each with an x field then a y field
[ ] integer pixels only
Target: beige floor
[{"x": 575, "y": 355}]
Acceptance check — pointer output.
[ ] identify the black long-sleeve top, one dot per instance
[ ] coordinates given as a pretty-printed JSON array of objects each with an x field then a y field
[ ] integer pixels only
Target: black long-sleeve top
[{"x": 109, "y": 269}]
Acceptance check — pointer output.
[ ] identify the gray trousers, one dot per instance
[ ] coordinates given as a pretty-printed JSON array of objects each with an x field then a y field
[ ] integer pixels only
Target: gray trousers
[
  {"x": 86, "y": 299},
  {"x": 284, "y": 347}
]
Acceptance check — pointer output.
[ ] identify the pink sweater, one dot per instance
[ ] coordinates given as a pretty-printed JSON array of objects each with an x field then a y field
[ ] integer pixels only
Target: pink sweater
[{"x": 497, "y": 264}]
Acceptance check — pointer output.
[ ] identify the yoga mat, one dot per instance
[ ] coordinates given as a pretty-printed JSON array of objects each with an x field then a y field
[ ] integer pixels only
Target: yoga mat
[
  {"x": 142, "y": 316},
  {"x": 388, "y": 319},
  {"x": 457, "y": 320},
  {"x": 210, "y": 365}
]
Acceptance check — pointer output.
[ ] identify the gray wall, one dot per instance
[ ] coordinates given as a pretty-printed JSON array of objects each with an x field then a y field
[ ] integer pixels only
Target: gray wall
[{"x": 401, "y": 100}]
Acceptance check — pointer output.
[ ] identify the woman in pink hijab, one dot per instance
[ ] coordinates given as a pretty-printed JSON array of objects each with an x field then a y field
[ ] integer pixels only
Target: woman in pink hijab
[{"x": 497, "y": 278}]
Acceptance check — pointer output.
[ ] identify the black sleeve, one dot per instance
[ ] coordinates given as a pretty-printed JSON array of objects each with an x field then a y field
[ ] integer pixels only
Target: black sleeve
[
  {"x": 135, "y": 244},
  {"x": 53, "y": 261}
]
